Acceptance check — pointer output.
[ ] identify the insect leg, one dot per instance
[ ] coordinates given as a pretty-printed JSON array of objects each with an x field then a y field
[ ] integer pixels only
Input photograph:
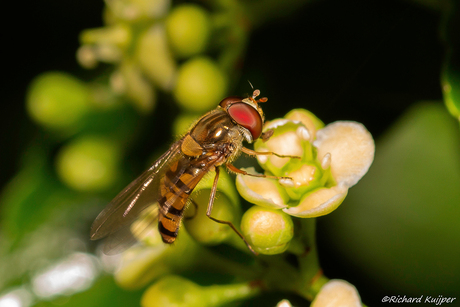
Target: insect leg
[
  {"x": 211, "y": 203},
  {"x": 236, "y": 170},
  {"x": 266, "y": 153}
]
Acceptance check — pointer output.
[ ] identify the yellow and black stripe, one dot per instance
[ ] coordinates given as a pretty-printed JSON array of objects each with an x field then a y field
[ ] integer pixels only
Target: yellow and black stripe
[{"x": 175, "y": 188}]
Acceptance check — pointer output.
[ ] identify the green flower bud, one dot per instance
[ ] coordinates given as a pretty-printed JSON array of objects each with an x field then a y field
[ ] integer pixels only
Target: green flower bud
[
  {"x": 268, "y": 231},
  {"x": 142, "y": 264},
  {"x": 58, "y": 101},
  {"x": 202, "y": 228},
  {"x": 226, "y": 208},
  {"x": 200, "y": 85},
  {"x": 172, "y": 291},
  {"x": 130, "y": 82},
  {"x": 164, "y": 293},
  {"x": 118, "y": 35},
  {"x": 138, "y": 10},
  {"x": 89, "y": 163},
  {"x": 188, "y": 27},
  {"x": 155, "y": 58}
]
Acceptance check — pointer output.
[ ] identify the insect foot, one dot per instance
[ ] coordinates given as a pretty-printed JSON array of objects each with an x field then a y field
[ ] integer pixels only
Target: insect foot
[{"x": 333, "y": 159}]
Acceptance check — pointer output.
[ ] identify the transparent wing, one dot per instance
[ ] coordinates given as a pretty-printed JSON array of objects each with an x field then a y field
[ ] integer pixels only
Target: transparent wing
[{"x": 138, "y": 199}]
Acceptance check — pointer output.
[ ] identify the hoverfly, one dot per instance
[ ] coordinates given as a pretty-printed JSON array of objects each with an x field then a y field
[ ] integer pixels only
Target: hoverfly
[{"x": 216, "y": 139}]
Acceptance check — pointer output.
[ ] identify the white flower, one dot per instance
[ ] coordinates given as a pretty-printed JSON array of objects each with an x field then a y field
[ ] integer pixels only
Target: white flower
[{"x": 333, "y": 159}]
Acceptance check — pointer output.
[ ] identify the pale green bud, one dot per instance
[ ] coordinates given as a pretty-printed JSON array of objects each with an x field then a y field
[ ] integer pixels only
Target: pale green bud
[
  {"x": 200, "y": 85},
  {"x": 202, "y": 228},
  {"x": 130, "y": 81},
  {"x": 142, "y": 264},
  {"x": 268, "y": 231},
  {"x": 89, "y": 163},
  {"x": 176, "y": 291},
  {"x": 188, "y": 27},
  {"x": 118, "y": 35},
  {"x": 225, "y": 208},
  {"x": 155, "y": 58},
  {"x": 58, "y": 101},
  {"x": 138, "y": 10}
]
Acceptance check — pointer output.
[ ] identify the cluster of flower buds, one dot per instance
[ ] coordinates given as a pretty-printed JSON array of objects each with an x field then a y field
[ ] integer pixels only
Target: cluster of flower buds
[{"x": 156, "y": 46}]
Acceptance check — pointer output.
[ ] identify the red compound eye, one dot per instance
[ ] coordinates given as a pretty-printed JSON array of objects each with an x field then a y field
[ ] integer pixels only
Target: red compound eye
[{"x": 248, "y": 117}]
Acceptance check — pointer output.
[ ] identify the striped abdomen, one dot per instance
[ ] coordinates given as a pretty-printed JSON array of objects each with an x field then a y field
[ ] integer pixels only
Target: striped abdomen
[{"x": 175, "y": 188}]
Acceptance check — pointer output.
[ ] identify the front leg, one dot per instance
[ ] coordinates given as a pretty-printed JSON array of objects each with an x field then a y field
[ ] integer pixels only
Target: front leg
[
  {"x": 236, "y": 170},
  {"x": 266, "y": 153},
  {"x": 209, "y": 210}
]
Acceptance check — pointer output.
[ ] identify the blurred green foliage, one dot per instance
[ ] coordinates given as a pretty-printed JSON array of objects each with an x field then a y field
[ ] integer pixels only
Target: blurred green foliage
[{"x": 396, "y": 233}]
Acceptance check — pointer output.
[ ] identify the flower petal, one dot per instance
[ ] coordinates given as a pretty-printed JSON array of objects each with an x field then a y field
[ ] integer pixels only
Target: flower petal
[
  {"x": 351, "y": 147},
  {"x": 264, "y": 192},
  {"x": 337, "y": 293},
  {"x": 319, "y": 202},
  {"x": 307, "y": 118}
]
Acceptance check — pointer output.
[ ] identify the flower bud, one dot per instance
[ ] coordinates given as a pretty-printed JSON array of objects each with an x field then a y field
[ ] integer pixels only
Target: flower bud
[
  {"x": 225, "y": 208},
  {"x": 118, "y": 35},
  {"x": 58, "y": 101},
  {"x": 200, "y": 85},
  {"x": 164, "y": 293},
  {"x": 202, "y": 228},
  {"x": 89, "y": 164},
  {"x": 138, "y": 10},
  {"x": 155, "y": 58},
  {"x": 188, "y": 27},
  {"x": 268, "y": 231},
  {"x": 142, "y": 264},
  {"x": 337, "y": 293},
  {"x": 177, "y": 291},
  {"x": 130, "y": 81}
]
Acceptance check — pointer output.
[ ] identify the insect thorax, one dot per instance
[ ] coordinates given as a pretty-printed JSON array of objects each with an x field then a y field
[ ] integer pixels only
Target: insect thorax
[{"x": 216, "y": 131}]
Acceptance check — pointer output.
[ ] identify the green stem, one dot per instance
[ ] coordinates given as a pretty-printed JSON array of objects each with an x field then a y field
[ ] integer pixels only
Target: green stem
[
  {"x": 210, "y": 260},
  {"x": 279, "y": 275},
  {"x": 310, "y": 270}
]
